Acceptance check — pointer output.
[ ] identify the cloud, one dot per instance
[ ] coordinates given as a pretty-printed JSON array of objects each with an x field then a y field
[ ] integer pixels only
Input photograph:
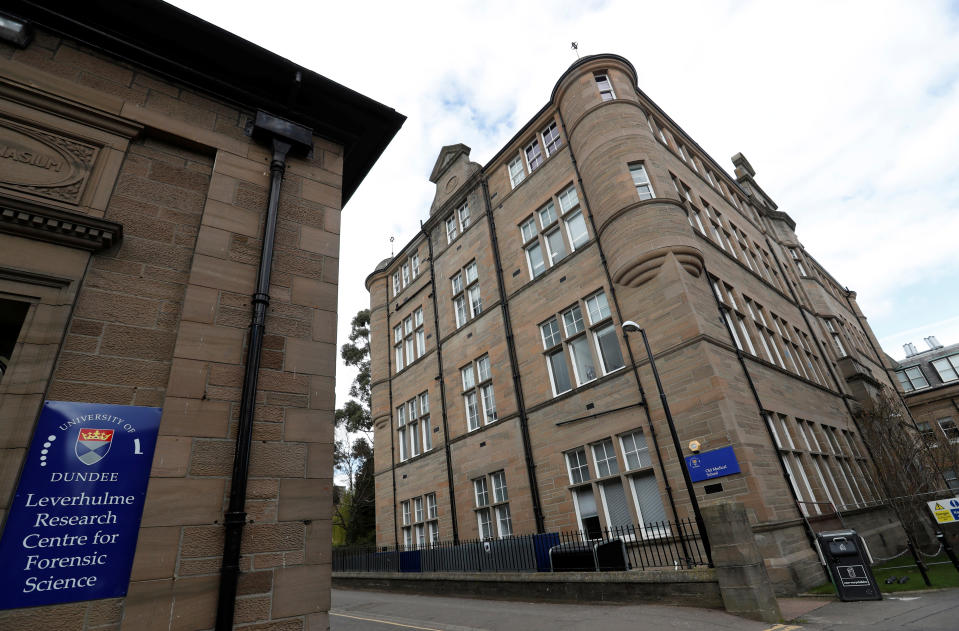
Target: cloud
[{"x": 848, "y": 112}]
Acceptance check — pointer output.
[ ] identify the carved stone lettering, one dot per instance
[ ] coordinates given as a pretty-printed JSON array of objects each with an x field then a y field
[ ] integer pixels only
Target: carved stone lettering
[{"x": 43, "y": 163}]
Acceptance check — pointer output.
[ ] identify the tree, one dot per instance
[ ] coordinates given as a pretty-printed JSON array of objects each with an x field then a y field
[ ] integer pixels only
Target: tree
[
  {"x": 353, "y": 456},
  {"x": 904, "y": 465}
]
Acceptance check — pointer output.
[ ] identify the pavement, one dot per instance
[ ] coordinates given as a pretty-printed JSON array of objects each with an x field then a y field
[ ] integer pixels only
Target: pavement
[{"x": 354, "y": 610}]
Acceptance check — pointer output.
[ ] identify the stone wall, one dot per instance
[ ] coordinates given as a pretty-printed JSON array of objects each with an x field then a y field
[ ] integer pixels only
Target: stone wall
[{"x": 161, "y": 320}]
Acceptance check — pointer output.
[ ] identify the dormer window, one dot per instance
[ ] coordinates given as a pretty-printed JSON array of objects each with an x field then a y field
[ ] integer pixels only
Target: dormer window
[{"x": 912, "y": 379}]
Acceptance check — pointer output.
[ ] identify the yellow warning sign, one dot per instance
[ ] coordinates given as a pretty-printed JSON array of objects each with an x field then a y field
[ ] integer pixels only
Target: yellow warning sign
[{"x": 946, "y": 511}]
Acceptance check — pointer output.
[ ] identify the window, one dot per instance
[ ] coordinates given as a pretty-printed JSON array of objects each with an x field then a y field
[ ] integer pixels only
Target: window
[
  {"x": 604, "y": 85},
  {"x": 604, "y": 455},
  {"x": 418, "y": 508},
  {"x": 396, "y": 283},
  {"x": 949, "y": 429},
  {"x": 610, "y": 357},
  {"x": 835, "y": 338},
  {"x": 597, "y": 306},
  {"x": 538, "y": 258},
  {"x": 420, "y": 527},
  {"x": 947, "y": 367},
  {"x": 13, "y": 313},
  {"x": 425, "y": 421},
  {"x": 500, "y": 493},
  {"x": 451, "y": 229},
  {"x": 551, "y": 140},
  {"x": 471, "y": 294},
  {"x": 485, "y": 509},
  {"x": 576, "y": 229},
  {"x": 952, "y": 480},
  {"x": 483, "y": 524},
  {"x": 573, "y": 218},
  {"x": 555, "y": 358},
  {"x": 796, "y": 258},
  {"x": 420, "y": 333},
  {"x": 406, "y": 274},
  {"x": 616, "y": 487},
  {"x": 641, "y": 181},
  {"x": 927, "y": 434},
  {"x": 547, "y": 215},
  {"x": 413, "y": 427},
  {"x": 578, "y": 467},
  {"x": 478, "y": 391},
  {"x": 912, "y": 379},
  {"x": 481, "y": 491},
  {"x": 401, "y": 431},
  {"x": 516, "y": 172},
  {"x": 463, "y": 216},
  {"x": 635, "y": 450},
  {"x": 415, "y": 264},
  {"x": 577, "y": 344},
  {"x": 534, "y": 157},
  {"x": 398, "y": 346},
  {"x": 408, "y": 339}
]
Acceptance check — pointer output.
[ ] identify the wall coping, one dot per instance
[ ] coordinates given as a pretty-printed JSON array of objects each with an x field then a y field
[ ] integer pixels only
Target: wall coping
[{"x": 695, "y": 575}]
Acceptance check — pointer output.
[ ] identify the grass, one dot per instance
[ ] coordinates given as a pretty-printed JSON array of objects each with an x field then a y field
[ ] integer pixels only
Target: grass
[{"x": 941, "y": 575}]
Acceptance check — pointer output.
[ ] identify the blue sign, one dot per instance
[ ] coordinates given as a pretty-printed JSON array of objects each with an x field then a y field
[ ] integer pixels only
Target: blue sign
[
  {"x": 712, "y": 464},
  {"x": 72, "y": 527}
]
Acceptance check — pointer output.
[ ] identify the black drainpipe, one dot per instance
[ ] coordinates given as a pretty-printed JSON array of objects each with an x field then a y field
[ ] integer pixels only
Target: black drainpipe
[
  {"x": 629, "y": 348},
  {"x": 389, "y": 389},
  {"x": 439, "y": 377},
  {"x": 283, "y": 136},
  {"x": 514, "y": 366}
]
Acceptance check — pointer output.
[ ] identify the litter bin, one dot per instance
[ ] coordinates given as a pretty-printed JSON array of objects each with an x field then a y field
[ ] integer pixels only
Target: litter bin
[
  {"x": 845, "y": 556},
  {"x": 589, "y": 556}
]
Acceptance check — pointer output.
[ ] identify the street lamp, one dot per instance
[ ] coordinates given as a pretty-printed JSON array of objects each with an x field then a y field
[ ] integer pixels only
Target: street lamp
[{"x": 630, "y": 326}]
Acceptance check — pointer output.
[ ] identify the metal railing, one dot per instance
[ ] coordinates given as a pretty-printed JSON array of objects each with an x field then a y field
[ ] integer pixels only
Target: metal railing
[{"x": 654, "y": 545}]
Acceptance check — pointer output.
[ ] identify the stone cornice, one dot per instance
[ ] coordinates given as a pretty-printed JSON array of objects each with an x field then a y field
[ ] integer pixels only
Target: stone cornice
[{"x": 62, "y": 227}]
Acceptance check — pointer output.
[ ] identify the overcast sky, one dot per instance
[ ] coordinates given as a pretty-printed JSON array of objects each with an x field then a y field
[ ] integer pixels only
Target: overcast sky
[{"x": 848, "y": 111}]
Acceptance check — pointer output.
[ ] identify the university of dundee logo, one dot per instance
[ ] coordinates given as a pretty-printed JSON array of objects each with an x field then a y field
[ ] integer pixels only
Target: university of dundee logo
[{"x": 93, "y": 444}]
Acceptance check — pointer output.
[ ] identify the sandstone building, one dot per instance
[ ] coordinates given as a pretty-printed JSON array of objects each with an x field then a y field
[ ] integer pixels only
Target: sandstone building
[
  {"x": 929, "y": 383},
  {"x": 507, "y": 397},
  {"x": 132, "y": 206}
]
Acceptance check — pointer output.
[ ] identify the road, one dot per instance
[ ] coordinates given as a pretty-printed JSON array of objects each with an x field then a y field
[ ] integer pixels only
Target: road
[{"x": 381, "y": 611}]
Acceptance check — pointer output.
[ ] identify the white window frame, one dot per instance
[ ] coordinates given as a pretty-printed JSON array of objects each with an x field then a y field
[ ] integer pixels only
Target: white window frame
[
  {"x": 516, "y": 171},
  {"x": 533, "y": 155},
  {"x": 551, "y": 138},
  {"x": 451, "y": 232},
  {"x": 644, "y": 187},
  {"x": 605, "y": 86}
]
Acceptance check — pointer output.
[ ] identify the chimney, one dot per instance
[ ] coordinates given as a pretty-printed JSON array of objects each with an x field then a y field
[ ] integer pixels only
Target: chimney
[
  {"x": 910, "y": 349},
  {"x": 932, "y": 342}
]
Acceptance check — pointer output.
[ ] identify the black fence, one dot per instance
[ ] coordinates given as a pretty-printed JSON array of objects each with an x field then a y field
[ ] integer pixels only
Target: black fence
[{"x": 654, "y": 545}]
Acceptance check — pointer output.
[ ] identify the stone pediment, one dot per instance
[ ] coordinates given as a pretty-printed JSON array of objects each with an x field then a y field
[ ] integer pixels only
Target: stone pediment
[{"x": 452, "y": 169}]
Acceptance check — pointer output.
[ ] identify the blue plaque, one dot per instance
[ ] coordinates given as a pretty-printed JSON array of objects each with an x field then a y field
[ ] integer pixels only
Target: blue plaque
[
  {"x": 72, "y": 527},
  {"x": 712, "y": 464}
]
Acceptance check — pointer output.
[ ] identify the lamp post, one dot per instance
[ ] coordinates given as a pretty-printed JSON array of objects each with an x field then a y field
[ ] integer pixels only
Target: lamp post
[{"x": 629, "y": 326}]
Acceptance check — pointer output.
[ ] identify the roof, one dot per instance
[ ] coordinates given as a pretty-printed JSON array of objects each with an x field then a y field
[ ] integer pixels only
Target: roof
[
  {"x": 924, "y": 360},
  {"x": 175, "y": 44}
]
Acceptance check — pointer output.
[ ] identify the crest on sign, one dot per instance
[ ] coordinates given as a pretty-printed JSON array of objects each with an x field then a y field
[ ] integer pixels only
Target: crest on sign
[{"x": 93, "y": 445}]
